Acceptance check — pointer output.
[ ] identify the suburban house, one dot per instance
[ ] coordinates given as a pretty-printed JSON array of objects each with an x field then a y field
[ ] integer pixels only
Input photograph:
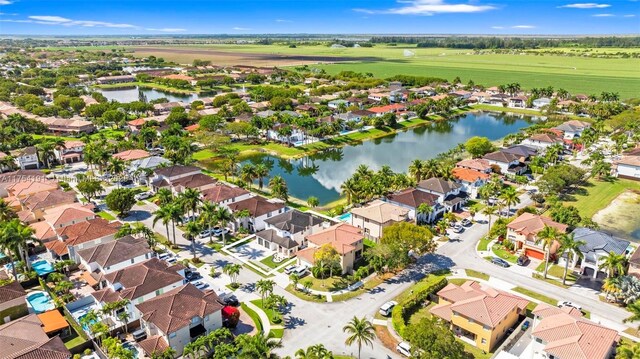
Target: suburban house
[
  {"x": 541, "y": 102},
  {"x": 38, "y": 203},
  {"x": 12, "y": 302},
  {"x": 259, "y": 208},
  {"x": 479, "y": 314},
  {"x": 113, "y": 256},
  {"x": 62, "y": 216},
  {"x": 73, "y": 238},
  {"x": 450, "y": 195},
  {"x": 166, "y": 176},
  {"x": 26, "y": 158},
  {"x": 518, "y": 101},
  {"x": 543, "y": 140},
  {"x": 628, "y": 167},
  {"x": 177, "y": 317},
  {"x": 335, "y": 104},
  {"x": 144, "y": 167},
  {"x": 346, "y": 239},
  {"x": 523, "y": 232},
  {"x": 131, "y": 155},
  {"x": 224, "y": 194},
  {"x": 70, "y": 153},
  {"x": 634, "y": 264},
  {"x": 73, "y": 125},
  {"x": 508, "y": 163},
  {"x": 598, "y": 245},
  {"x": 23, "y": 187},
  {"x": 471, "y": 180},
  {"x": 476, "y": 164},
  {"x": 411, "y": 199},
  {"x": 377, "y": 215},
  {"x": 573, "y": 129},
  {"x": 26, "y": 338},
  {"x": 563, "y": 333},
  {"x": 115, "y": 79},
  {"x": 286, "y": 232},
  {"x": 138, "y": 283},
  {"x": 523, "y": 151}
]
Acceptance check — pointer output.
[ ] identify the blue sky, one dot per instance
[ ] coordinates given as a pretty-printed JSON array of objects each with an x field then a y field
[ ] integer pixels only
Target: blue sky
[{"x": 118, "y": 17}]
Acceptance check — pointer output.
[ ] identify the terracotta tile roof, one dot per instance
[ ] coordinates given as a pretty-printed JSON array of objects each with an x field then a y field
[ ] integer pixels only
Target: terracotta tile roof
[
  {"x": 388, "y": 108},
  {"x": 477, "y": 164},
  {"x": 71, "y": 213},
  {"x": 529, "y": 223},
  {"x": 381, "y": 212},
  {"x": 25, "y": 188},
  {"x": 26, "y": 216},
  {"x": 256, "y": 205},
  {"x": 52, "y": 321},
  {"x": 175, "y": 309},
  {"x": 153, "y": 344},
  {"x": 24, "y": 338},
  {"x": 197, "y": 180},
  {"x": 341, "y": 236},
  {"x": 413, "y": 197},
  {"x": 468, "y": 175},
  {"x": 143, "y": 278},
  {"x": 569, "y": 336},
  {"x": 544, "y": 310},
  {"x": 307, "y": 254},
  {"x": 222, "y": 192},
  {"x": 73, "y": 143},
  {"x": 131, "y": 155},
  {"x": 192, "y": 128},
  {"x": 178, "y": 77},
  {"x": 438, "y": 185},
  {"x": 483, "y": 304},
  {"x": 11, "y": 291},
  {"x": 114, "y": 252},
  {"x": 629, "y": 161},
  {"x": 137, "y": 122},
  {"x": 82, "y": 232},
  {"x": 47, "y": 199}
]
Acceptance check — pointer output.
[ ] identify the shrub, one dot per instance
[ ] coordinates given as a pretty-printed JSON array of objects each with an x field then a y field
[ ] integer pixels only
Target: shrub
[{"x": 397, "y": 319}]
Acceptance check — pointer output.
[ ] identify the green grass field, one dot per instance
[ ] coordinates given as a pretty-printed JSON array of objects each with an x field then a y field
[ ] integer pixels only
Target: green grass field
[{"x": 600, "y": 194}]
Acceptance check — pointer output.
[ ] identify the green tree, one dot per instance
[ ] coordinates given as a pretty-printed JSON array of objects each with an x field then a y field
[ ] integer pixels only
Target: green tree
[
  {"x": 192, "y": 230},
  {"x": 615, "y": 264},
  {"x": 313, "y": 201},
  {"x": 509, "y": 197},
  {"x": 279, "y": 188},
  {"x": 403, "y": 238},
  {"x": 232, "y": 270},
  {"x": 317, "y": 351},
  {"x": 430, "y": 339},
  {"x": 360, "y": 331},
  {"x": 570, "y": 247},
  {"x": 478, "y": 146},
  {"x": 264, "y": 287},
  {"x": 90, "y": 188},
  {"x": 223, "y": 217},
  {"x": 547, "y": 236},
  {"x": 120, "y": 200},
  {"x": 634, "y": 308}
]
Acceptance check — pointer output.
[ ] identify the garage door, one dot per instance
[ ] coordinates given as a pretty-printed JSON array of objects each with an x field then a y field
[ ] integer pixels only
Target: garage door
[{"x": 534, "y": 254}]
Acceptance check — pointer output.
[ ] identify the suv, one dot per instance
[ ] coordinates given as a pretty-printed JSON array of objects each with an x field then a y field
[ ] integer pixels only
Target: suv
[
  {"x": 458, "y": 228},
  {"x": 386, "y": 308},
  {"x": 523, "y": 260},
  {"x": 404, "y": 348},
  {"x": 564, "y": 303},
  {"x": 465, "y": 222},
  {"x": 289, "y": 269},
  {"x": 139, "y": 335},
  {"x": 501, "y": 262},
  {"x": 141, "y": 196},
  {"x": 300, "y": 270},
  {"x": 231, "y": 300}
]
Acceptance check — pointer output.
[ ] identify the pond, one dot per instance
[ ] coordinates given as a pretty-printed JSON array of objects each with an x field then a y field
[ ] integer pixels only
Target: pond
[
  {"x": 321, "y": 175},
  {"x": 134, "y": 93}
]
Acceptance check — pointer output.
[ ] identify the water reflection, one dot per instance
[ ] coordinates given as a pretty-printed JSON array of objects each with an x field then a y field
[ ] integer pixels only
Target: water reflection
[{"x": 133, "y": 93}]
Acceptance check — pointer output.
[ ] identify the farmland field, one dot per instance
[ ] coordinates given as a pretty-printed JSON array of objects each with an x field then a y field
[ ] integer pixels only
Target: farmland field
[{"x": 577, "y": 74}]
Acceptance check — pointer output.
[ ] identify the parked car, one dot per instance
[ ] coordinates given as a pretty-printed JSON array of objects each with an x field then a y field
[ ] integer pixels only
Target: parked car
[
  {"x": 139, "y": 335},
  {"x": 465, "y": 222},
  {"x": 164, "y": 256},
  {"x": 141, "y": 196},
  {"x": 458, "y": 229},
  {"x": 126, "y": 182},
  {"x": 501, "y": 262},
  {"x": 191, "y": 276},
  {"x": 231, "y": 300},
  {"x": 217, "y": 231},
  {"x": 525, "y": 325},
  {"x": 188, "y": 219},
  {"x": 200, "y": 285},
  {"x": 300, "y": 270},
  {"x": 386, "y": 308},
  {"x": 204, "y": 234},
  {"x": 404, "y": 348},
  {"x": 171, "y": 260},
  {"x": 289, "y": 269},
  {"x": 569, "y": 304},
  {"x": 523, "y": 260}
]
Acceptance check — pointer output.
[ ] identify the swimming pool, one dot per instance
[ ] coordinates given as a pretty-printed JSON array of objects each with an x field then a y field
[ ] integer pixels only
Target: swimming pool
[
  {"x": 40, "y": 301},
  {"x": 42, "y": 267},
  {"x": 129, "y": 346},
  {"x": 86, "y": 326},
  {"x": 346, "y": 217}
]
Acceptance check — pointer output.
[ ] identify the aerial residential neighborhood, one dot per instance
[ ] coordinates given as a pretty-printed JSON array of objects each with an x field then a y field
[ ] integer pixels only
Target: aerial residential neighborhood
[{"x": 263, "y": 185}]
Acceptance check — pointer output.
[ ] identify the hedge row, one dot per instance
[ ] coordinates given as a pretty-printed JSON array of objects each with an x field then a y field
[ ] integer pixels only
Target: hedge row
[{"x": 412, "y": 302}]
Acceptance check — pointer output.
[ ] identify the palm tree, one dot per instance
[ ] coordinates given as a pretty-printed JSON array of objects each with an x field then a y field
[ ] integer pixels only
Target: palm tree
[
  {"x": 16, "y": 236},
  {"x": 416, "y": 169},
  {"x": 615, "y": 264},
  {"x": 489, "y": 211},
  {"x": 116, "y": 166},
  {"x": 223, "y": 216},
  {"x": 45, "y": 152},
  {"x": 247, "y": 174},
  {"x": 348, "y": 188},
  {"x": 509, "y": 197},
  {"x": 261, "y": 171},
  {"x": 634, "y": 308},
  {"x": 208, "y": 218},
  {"x": 295, "y": 279},
  {"x": 317, "y": 351},
  {"x": 547, "y": 236},
  {"x": 423, "y": 209},
  {"x": 6, "y": 212},
  {"x": 176, "y": 211},
  {"x": 191, "y": 231},
  {"x": 165, "y": 196},
  {"x": 264, "y": 287},
  {"x": 190, "y": 198},
  {"x": 163, "y": 214},
  {"x": 571, "y": 247},
  {"x": 279, "y": 188},
  {"x": 430, "y": 168},
  {"x": 232, "y": 270},
  {"x": 360, "y": 331},
  {"x": 124, "y": 316}
]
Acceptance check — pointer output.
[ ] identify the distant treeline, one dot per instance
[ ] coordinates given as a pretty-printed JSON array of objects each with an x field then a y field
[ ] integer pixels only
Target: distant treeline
[{"x": 509, "y": 42}]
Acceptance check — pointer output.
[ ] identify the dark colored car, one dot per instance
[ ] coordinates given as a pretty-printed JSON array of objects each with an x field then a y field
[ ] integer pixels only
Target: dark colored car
[
  {"x": 525, "y": 325},
  {"x": 523, "y": 260},
  {"x": 501, "y": 262},
  {"x": 126, "y": 182},
  {"x": 139, "y": 335},
  {"x": 231, "y": 300},
  {"x": 191, "y": 276}
]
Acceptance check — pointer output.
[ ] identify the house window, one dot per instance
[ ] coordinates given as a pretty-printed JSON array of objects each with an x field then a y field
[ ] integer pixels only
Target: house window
[
  {"x": 158, "y": 292},
  {"x": 483, "y": 341},
  {"x": 538, "y": 340},
  {"x": 486, "y": 327},
  {"x": 195, "y": 320},
  {"x": 172, "y": 335},
  {"x": 131, "y": 260}
]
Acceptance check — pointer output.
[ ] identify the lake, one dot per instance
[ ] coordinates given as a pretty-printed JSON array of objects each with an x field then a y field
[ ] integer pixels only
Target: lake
[
  {"x": 322, "y": 174},
  {"x": 130, "y": 94}
]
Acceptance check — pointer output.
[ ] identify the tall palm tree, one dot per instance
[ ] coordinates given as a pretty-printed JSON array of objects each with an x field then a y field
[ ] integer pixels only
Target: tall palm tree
[
  {"x": 430, "y": 168},
  {"x": 45, "y": 152},
  {"x": 165, "y": 196},
  {"x": 232, "y": 270},
  {"x": 176, "y": 211},
  {"x": 416, "y": 168},
  {"x": 264, "y": 287},
  {"x": 424, "y": 209},
  {"x": 615, "y": 264},
  {"x": 570, "y": 247},
  {"x": 208, "y": 218},
  {"x": 223, "y": 216},
  {"x": 489, "y": 211},
  {"x": 279, "y": 188},
  {"x": 190, "y": 198},
  {"x": 547, "y": 236},
  {"x": 6, "y": 212},
  {"x": 247, "y": 173},
  {"x": 191, "y": 231},
  {"x": 116, "y": 166},
  {"x": 163, "y": 214},
  {"x": 509, "y": 197},
  {"x": 634, "y": 308},
  {"x": 360, "y": 331},
  {"x": 349, "y": 188},
  {"x": 317, "y": 351},
  {"x": 261, "y": 171}
]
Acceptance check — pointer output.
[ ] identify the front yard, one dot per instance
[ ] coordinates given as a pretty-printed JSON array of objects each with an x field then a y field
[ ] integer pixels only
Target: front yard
[
  {"x": 557, "y": 271},
  {"x": 500, "y": 251}
]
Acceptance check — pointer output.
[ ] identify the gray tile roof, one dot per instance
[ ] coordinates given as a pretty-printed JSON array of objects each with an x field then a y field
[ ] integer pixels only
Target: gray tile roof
[
  {"x": 294, "y": 221},
  {"x": 599, "y": 242},
  {"x": 270, "y": 235}
]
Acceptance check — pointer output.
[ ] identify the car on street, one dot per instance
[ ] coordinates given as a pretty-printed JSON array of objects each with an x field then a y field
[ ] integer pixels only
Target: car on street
[
  {"x": 500, "y": 262},
  {"x": 465, "y": 222},
  {"x": 171, "y": 260},
  {"x": 458, "y": 228},
  {"x": 404, "y": 348},
  {"x": 141, "y": 196},
  {"x": 525, "y": 325},
  {"x": 191, "y": 276},
  {"x": 231, "y": 300},
  {"x": 200, "y": 284},
  {"x": 386, "y": 308},
  {"x": 523, "y": 260},
  {"x": 289, "y": 269},
  {"x": 188, "y": 219},
  {"x": 569, "y": 304}
]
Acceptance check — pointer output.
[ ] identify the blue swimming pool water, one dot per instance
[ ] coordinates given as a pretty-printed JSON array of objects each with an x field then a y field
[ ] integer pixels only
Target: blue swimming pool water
[
  {"x": 131, "y": 348},
  {"x": 40, "y": 302},
  {"x": 85, "y": 326},
  {"x": 346, "y": 217},
  {"x": 42, "y": 267}
]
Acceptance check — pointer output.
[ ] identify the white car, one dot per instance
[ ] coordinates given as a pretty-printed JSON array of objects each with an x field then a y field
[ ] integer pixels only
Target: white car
[
  {"x": 300, "y": 271},
  {"x": 289, "y": 269},
  {"x": 386, "y": 308},
  {"x": 205, "y": 234},
  {"x": 404, "y": 348},
  {"x": 569, "y": 304},
  {"x": 200, "y": 284},
  {"x": 141, "y": 196}
]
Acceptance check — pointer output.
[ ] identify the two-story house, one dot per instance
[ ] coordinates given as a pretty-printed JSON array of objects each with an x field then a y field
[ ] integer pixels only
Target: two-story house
[
  {"x": 573, "y": 129},
  {"x": 597, "y": 246},
  {"x": 411, "y": 199},
  {"x": 377, "y": 215},
  {"x": 542, "y": 141},
  {"x": 224, "y": 194},
  {"x": 509, "y": 163},
  {"x": 479, "y": 313},
  {"x": 178, "y": 317},
  {"x": 286, "y": 232},
  {"x": 523, "y": 231},
  {"x": 73, "y": 151},
  {"x": 346, "y": 239},
  {"x": 26, "y": 338},
  {"x": 259, "y": 210},
  {"x": 449, "y": 193},
  {"x": 12, "y": 302},
  {"x": 73, "y": 238},
  {"x": 26, "y": 158},
  {"x": 164, "y": 176},
  {"x": 471, "y": 180}
]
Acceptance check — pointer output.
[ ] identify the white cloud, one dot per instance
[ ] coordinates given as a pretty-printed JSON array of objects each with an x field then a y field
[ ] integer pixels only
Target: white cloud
[
  {"x": 497, "y": 27},
  {"x": 588, "y": 5},
  {"x": 58, "y": 20},
  {"x": 167, "y": 29},
  {"x": 283, "y": 20},
  {"x": 629, "y": 15},
  {"x": 237, "y": 28},
  {"x": 523, "y": 27},
  {"x": 602, "y": 15},
  {"x": 428, "y": 7},
  {"x": 5, "y": 2}
]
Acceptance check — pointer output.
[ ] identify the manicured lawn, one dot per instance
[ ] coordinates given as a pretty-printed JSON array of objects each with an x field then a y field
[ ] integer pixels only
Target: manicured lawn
[
  {"x": 269, "y": 262},
  {"x": 325, "y": 285},
  {"x": 277, "y": 333},
  {"x": 74, "y": 342},
  {"x": 421, "y": 313},
  {"x": 486, "y": 107},
  {"x": 370, "y": 284},
  {"x": 483, "y": 243},
  {"x": 457, "y": 281},
  {"x": 106, "y": 215},
  {"x": 501, "y": 252},
  {"x": 599, "y": 194},
  {"x": 420, "y": 286},
  {"x": 558, "y": 271},
  {"x": 304, "y": 296},
  {"x": 536, "y": 295},
  {"x": 254, "y": 316},
  {"x": 256, "y": 271},
  {"x": 270, "y": 312},
  {"x": 476, "y": 274}
]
